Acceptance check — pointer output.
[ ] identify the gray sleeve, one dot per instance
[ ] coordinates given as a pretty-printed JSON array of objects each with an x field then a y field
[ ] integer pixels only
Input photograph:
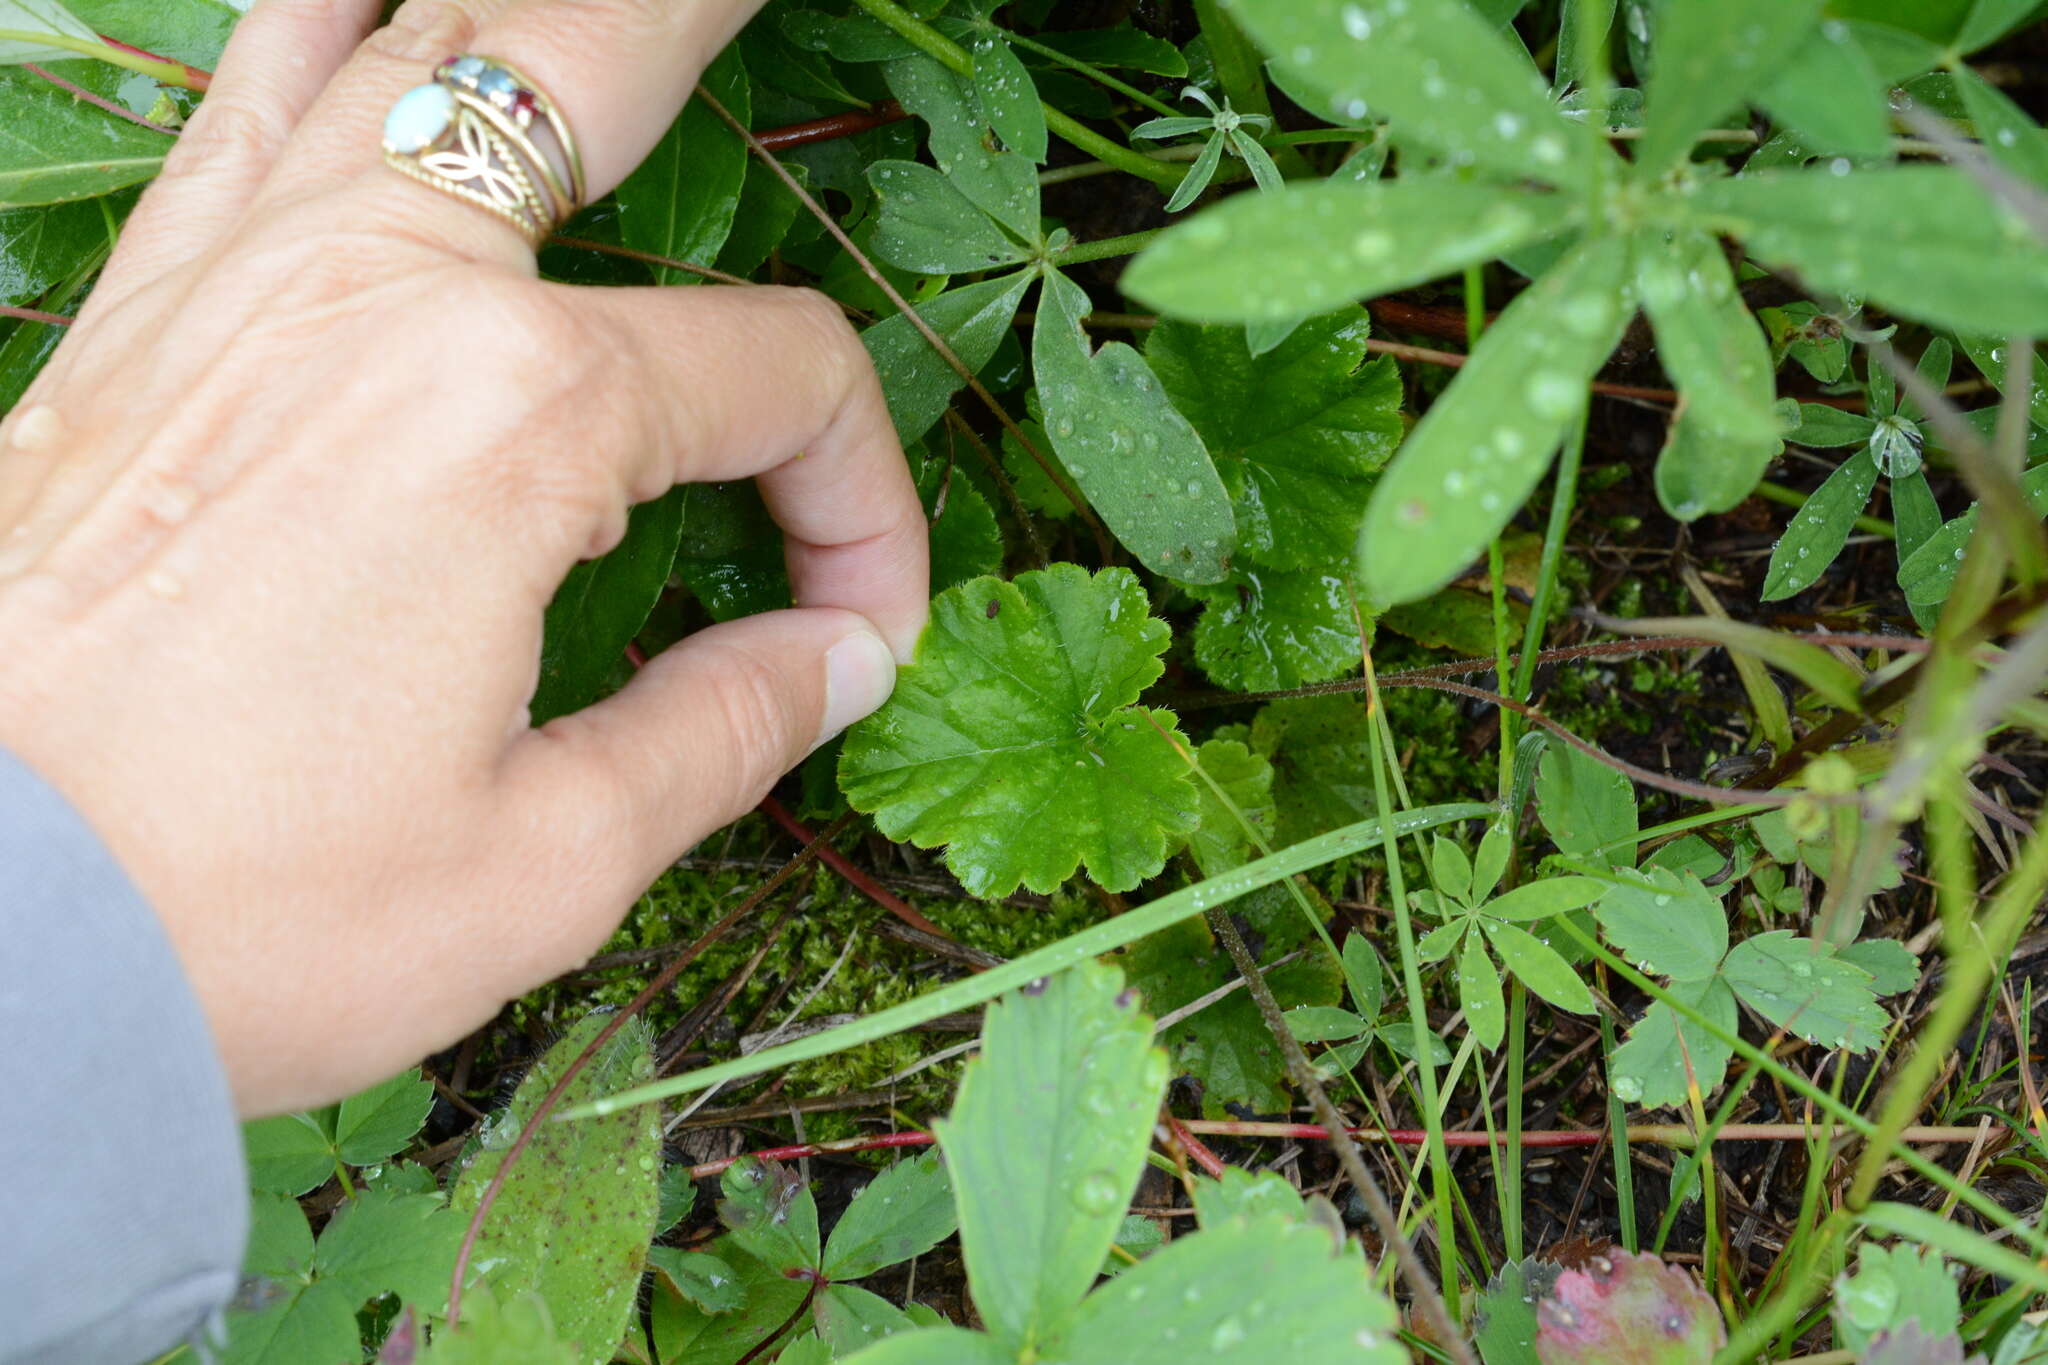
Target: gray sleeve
[{"x": 123, "y": 1202}]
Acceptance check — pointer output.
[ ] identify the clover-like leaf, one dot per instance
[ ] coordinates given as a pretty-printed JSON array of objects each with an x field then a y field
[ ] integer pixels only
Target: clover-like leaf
[
  {"x": 1297, "y": 433},
  {"x": 700, "y": 1277},
  {"x": 1017, "y": 708},
  {"x": 1666, "y": 922},
  {"x": 1800, "y": 985},
  {"x": 1710, "y": 58},
  {"x": 1652, "y": 1066},
  {"x": 916, "y": 382},
  {"x": 1315, "y": 1304},
  {"x": 1045, "y": 1142},
  {"x": 1587, "y": 808},
  {"x": 929, "y": 226},
  {"x": 903, "y": 1212}
]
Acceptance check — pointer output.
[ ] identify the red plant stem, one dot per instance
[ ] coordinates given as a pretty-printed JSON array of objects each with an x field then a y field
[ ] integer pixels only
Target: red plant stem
[
  {"x": 1195, "y": 1149},
  {"x": 1639, "y": 1134},
  {"x": 196, "y": 78},
  {"x": 834, "y": 126},
  {"x": 860, "y": 880},
  {"x": 34, "y": 315},
  {"x": 79, "y": 92}
]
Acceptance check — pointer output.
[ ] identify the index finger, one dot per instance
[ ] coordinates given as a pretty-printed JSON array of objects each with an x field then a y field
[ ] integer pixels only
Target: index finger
[{"x": 770, "y": 383}]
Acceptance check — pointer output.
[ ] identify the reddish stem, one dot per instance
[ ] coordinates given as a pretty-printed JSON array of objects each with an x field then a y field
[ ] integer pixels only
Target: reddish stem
[
  {"x": 34, "y": 315},
  {"x": 834, "y": 126},
  {"x": 196, "y": 79},
  {"x": 1648, "y": 1134},
  {"x": 1195, "y": 1149},
  {"x": 860, "y": 880},
  {"x": 79, "y": 92}
]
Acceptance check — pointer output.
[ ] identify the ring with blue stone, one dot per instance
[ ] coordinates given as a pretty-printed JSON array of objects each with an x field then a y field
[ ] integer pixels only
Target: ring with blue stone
[{"x": 484, "y": 133}]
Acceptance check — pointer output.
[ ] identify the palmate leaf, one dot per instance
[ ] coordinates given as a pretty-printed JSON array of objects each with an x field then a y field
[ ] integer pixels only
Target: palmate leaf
[
  {"x": 575, "y": 1214},
  {"x": 1307, "y": 249},
  {"x": 1651, "y": 1067},
  {"x": 1442, "y": 75},
  {"x": 1138, "y": 461},
  {"x": 1711, "y": 56},
  {"x": 1822, "y": 528},
  {"x": 1297, "y": 433},
  {"x": 1017, "y": 708},
  {"x": 1045, "y": 1143},
  {"x": 1924, "y": 241},
  {"x": 1666, "y": 922},
  {"x": 1713, "y": 348},
  {"x": 1828, "y": 93},
  {"x": 1475, "y": 456}
]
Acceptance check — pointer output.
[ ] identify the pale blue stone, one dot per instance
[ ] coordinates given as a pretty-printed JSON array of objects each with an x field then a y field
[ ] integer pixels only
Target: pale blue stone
[
  {"x": 497, "y": 83},
  {"x": 466, "y": 68},
  {"x": 418, "y": 120}
]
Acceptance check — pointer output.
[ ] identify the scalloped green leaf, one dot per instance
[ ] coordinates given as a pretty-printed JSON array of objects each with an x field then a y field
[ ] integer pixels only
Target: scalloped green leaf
[
  {"x": 1045, "y": 1142},
  {"x": 1221, "y": 841},
  {"x": 1438, "y": 71},
  {"x": 1310, "y": 248},
  {"x": 1019, "y": 705},
  {"x": 377, "y": 1122},
  {"x": 1138, "y": 461},
  {"x": 1477, "y": 454},
  {"x": 1587, "y": 808},
  {"x": 1321, "y": 750},
  {"x": 1266, "y": 629},
  {"x": 574, "y": 1216},
  {"x": 1297, "y": 433},
  {"x": 1665, "y": 922}
]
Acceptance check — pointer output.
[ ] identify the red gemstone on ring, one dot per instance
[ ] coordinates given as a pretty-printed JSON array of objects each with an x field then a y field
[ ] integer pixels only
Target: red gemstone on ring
[{"x": 525, "y": 104}]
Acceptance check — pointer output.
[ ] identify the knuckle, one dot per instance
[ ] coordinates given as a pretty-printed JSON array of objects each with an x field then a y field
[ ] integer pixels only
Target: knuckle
[
  {"x": 223, "y": 132},
  {"x": 424, "y": 31}
]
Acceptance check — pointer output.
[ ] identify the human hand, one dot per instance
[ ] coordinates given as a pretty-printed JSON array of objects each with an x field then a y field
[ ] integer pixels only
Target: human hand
[{"x": 283, "y": 512}]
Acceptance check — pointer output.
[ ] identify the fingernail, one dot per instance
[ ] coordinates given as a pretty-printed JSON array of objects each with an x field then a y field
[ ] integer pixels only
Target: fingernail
[{"x": 859, "y": 673}]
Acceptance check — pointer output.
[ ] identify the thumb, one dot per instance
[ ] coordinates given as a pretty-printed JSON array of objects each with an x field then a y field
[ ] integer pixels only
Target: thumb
[{"x": 693, "y": 742}]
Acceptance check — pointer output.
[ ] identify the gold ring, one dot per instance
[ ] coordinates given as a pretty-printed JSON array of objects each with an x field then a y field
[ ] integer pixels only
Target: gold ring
[{"x": 482, "y": 132}]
